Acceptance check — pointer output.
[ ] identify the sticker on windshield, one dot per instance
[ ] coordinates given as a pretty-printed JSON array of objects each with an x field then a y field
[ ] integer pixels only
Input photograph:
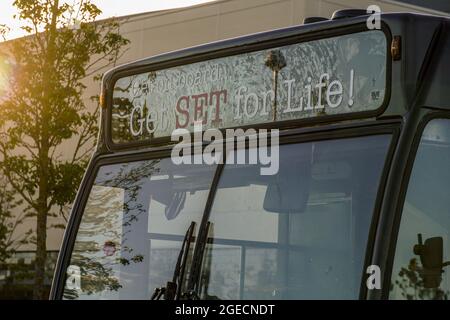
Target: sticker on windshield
[{"x": 304, "y": 80}]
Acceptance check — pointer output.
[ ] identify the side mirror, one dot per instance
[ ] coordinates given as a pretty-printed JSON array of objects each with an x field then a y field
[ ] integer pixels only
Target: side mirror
[
  {"x": 431, "y": 258},
  {"x": 166, "y": 194},
  {"x": 176, "y": 205},
  {"x": 280, "y": 199}
]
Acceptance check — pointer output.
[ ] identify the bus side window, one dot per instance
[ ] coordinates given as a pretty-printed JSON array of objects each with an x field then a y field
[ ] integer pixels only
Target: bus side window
[{"x": 420, "y": 269}]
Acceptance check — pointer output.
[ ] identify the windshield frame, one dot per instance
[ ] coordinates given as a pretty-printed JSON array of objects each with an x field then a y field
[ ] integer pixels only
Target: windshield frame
[
  {"x": 391, "y": 229},
  {"x": 298, "y": 135},
  {"x": 246, "y": 44}
]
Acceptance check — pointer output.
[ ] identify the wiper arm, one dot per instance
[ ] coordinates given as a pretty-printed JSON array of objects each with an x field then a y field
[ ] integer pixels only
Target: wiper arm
[
  {"x": 172, "y": 290},
  {"x": 196, "y": 267}
]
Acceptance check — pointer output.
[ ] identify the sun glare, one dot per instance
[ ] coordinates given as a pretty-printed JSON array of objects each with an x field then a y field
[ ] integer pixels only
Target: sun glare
[{"x": 5, "y": 75}]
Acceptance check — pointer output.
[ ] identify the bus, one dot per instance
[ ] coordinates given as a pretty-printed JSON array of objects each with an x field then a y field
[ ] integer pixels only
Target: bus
[{"x": 309, "y": 162}]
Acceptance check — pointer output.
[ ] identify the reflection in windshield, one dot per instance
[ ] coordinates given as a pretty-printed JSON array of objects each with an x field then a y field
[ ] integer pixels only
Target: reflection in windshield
[
  {"x": 298, "y": 234},
  {"x": 424, "y": 274},
  {"x": 132, "y": 228}
]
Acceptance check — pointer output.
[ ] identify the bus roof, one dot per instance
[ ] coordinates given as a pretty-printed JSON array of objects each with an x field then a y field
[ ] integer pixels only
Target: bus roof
[{"x": 418, "y": 77}]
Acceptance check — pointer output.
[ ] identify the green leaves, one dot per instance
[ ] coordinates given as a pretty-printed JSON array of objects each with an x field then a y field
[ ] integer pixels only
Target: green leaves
[
  {"x": 65, "y": 179},
  {"x": 46, "y": 107},
  {"x": 3, "y": 31}
]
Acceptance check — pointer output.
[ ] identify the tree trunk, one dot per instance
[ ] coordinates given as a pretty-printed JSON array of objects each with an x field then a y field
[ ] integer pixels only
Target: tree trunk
[
  {"x": 41, "y": 246},
  {"x": 42, "y": 212},
  {"x": 44, "y": 164}
]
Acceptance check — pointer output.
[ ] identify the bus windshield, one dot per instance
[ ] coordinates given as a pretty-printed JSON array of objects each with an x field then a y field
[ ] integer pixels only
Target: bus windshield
[{"x": 298, "y": 234}]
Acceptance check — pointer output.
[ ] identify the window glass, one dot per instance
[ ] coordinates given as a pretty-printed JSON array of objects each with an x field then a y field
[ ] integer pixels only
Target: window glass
[
  {"x": 316, "y": 78},
  {"x": 419, "y": 271},
  {"x": 132, "y": 228},
  {"x": 299, "y": 234}
]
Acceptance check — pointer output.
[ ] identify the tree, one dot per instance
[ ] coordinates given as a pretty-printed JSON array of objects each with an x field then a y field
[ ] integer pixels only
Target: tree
[
  {"x": 3, "y": 31},
  {"x": 45, "y": 107},
  {"x": 111, "y": 212}
]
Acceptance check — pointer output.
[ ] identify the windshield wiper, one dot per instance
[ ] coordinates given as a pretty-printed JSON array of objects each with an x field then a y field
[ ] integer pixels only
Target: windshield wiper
[
  {"x": 172, "y": 290},
  {"x": 196, "y": 267}
]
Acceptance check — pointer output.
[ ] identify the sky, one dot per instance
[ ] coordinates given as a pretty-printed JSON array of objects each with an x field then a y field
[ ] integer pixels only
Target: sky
[{"x": 110, "y": 8}]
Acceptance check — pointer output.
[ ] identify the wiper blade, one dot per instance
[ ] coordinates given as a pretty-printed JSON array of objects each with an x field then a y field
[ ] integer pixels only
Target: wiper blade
[
  {"x": 196, "y": 267},
  {"x": 178, "y": 275},
  {"x": 172, "y": 290}
]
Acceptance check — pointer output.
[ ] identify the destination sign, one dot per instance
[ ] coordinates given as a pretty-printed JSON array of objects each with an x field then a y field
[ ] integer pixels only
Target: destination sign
[{"x": 340, "y": 75}]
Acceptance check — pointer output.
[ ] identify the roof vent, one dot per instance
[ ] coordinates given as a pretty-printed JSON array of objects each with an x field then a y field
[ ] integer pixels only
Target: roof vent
[
  {"x": 348, "y": 13},
  {"x": 313, "y": 19}
]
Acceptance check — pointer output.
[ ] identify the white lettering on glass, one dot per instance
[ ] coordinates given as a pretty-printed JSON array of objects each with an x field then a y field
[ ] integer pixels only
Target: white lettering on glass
[{"x": 211, "y": 108}]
